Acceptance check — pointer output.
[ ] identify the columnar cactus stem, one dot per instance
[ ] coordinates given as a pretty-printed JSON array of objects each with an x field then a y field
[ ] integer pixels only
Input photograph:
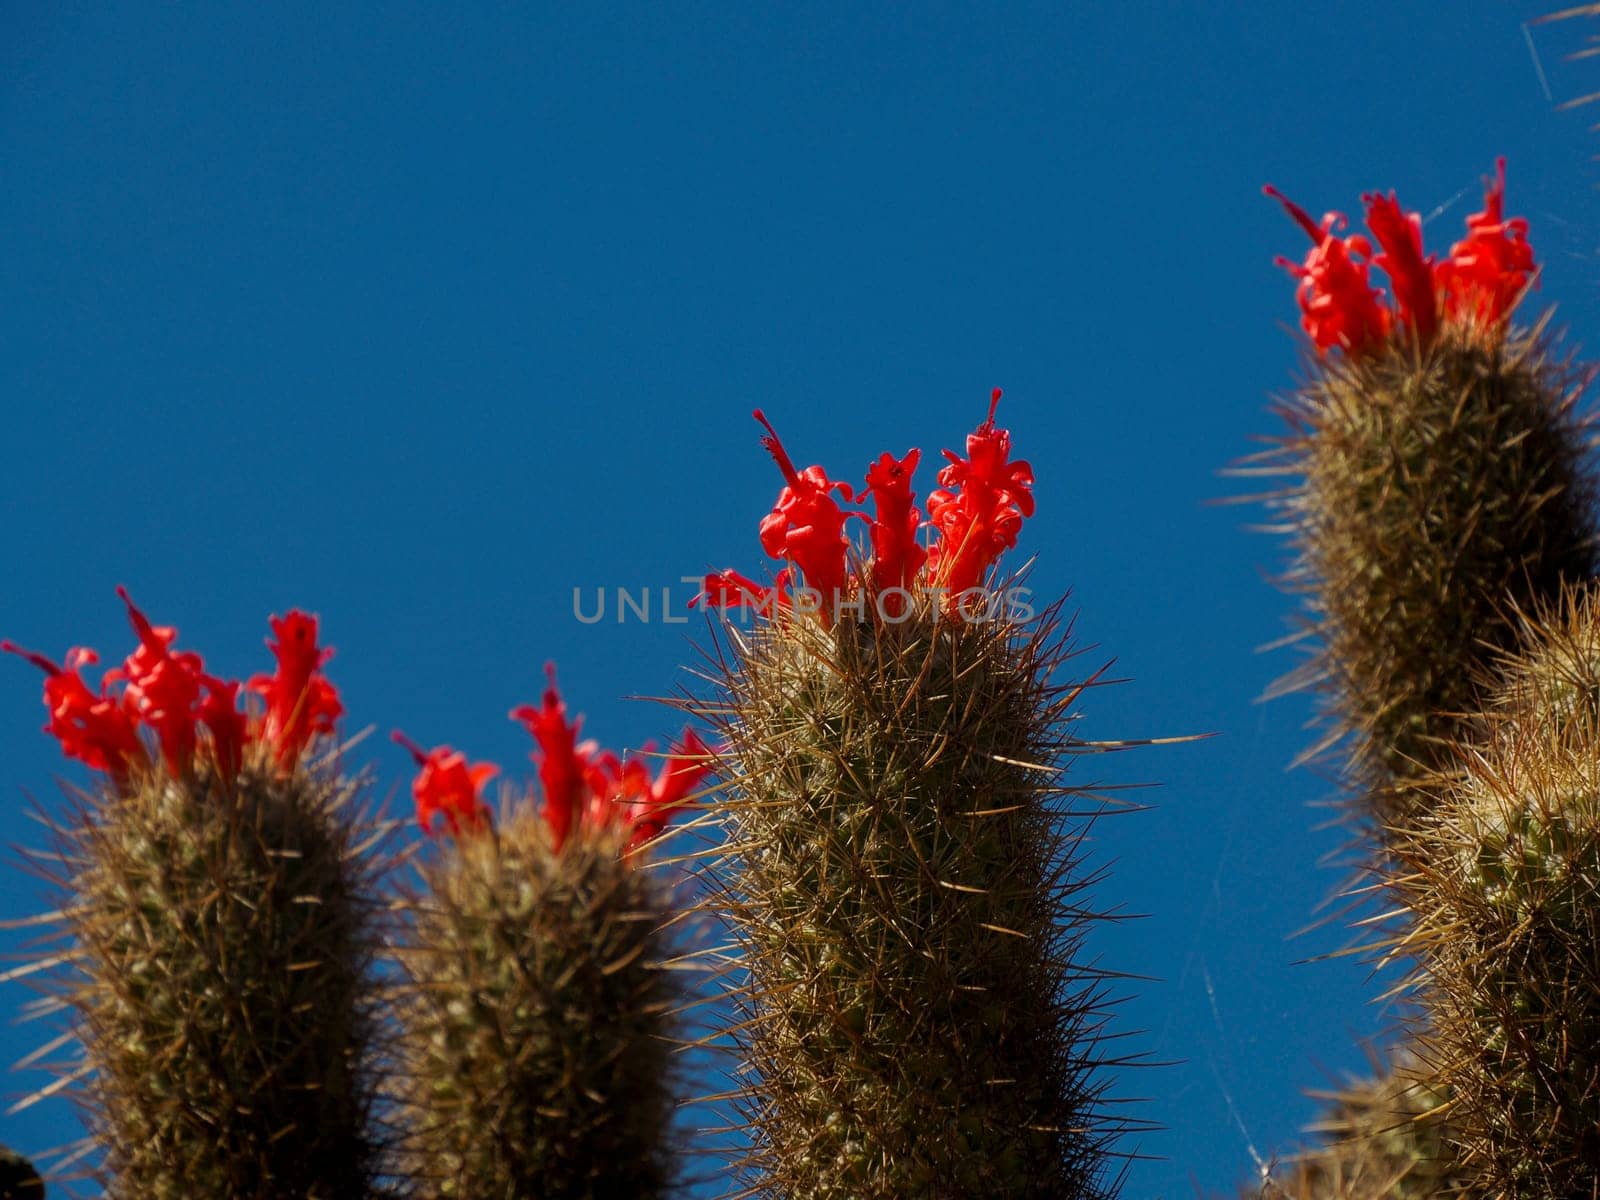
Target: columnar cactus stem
[
  {"x": 227, "y": 1005},
  {"x": 1437, "y": 496},
  {"x": 1441, "y": 485},
  {"x": 1505, "y": 887},
  {"x": 219, "y": 916},
  {"x": 538, "y": 1029},
  {"x": 909, "y": 905},
  {"x": 539, "y": 1016},
  {"x": 903, "y": 882}
]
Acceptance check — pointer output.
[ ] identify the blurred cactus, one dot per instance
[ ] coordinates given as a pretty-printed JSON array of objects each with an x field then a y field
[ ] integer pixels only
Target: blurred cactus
[
  {"x": 1505, "y": 891},
  {"x": 904, "y": 888},
  {"x": 1385, "y": 1138},
  {"x": 540, "y": 1011},
  {"x": 217, "y": 911}
]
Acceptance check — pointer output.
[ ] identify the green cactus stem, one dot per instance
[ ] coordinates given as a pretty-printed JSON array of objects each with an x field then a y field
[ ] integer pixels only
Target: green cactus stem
[
  {"x": 538, "y": 1022},
  {"x": 541, "y": 1012},
  {"x": 220, "y": 983},
  {"x": 218, "y": 909},
  {"x": 1504, "y": 887},
  {"x": 1435, "y": 496},
  {"x": 908, "y": 891}
]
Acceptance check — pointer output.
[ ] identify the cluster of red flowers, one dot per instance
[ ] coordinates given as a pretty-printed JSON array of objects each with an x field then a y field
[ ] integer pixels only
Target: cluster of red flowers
[
  {"x": 171, "y": 694},
  {"x": 582, "y": 784},
  {"x": 975, "y": 517},
  {"x": 1479, "y": 284}
]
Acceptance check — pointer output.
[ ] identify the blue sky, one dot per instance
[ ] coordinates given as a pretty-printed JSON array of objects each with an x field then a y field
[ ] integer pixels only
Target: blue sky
[{"x": 421, "y": 318}]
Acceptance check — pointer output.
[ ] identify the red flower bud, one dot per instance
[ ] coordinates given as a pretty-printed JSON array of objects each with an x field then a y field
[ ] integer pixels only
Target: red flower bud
[
  {"x": 301, "y": 703},
  {"x": 446, "y": 786}
]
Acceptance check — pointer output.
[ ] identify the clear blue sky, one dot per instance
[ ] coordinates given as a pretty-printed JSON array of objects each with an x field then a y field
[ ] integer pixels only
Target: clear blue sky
[{"x": 421, "y": 318}]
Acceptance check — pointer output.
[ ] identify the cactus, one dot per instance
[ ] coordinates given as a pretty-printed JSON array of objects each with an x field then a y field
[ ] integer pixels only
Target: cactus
[
  {"x": 218, "y": 916},
  {"x": 539, "y": 1013},
  {"x": 1387, "y": 1138},
  {"x": 906, "y": 895},
  {"x": 1440, "y": 487},
  {"x": 1442, "y": 495},
  {"x": 1505, "y": 887}
]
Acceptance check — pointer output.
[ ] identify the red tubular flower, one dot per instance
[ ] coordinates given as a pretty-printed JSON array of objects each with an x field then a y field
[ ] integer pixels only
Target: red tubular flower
[
  {"x": 99, "y": 730},
  {"x": 729, "y": 589},
  {"x": 1338, "y": 306},
  {"x": 566, "y": 769},
  {"x": 584, "y": 786},
  {"x": 163, "y": 687},
  {"x": 897, "y": 556},
  {"x": 652, "y": 805},
  {"x": 1488, "y": 271},
  {"x": 1400, "y": 235},
  {"x": 806, "y": 525},
  {"x": 300, "y": 701},
  {"x": 979, "y": 510},
  {"x": 446, "y": 786},
  {"x": 219, "y": 710},
  {"x": 608, "y": 780}
]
